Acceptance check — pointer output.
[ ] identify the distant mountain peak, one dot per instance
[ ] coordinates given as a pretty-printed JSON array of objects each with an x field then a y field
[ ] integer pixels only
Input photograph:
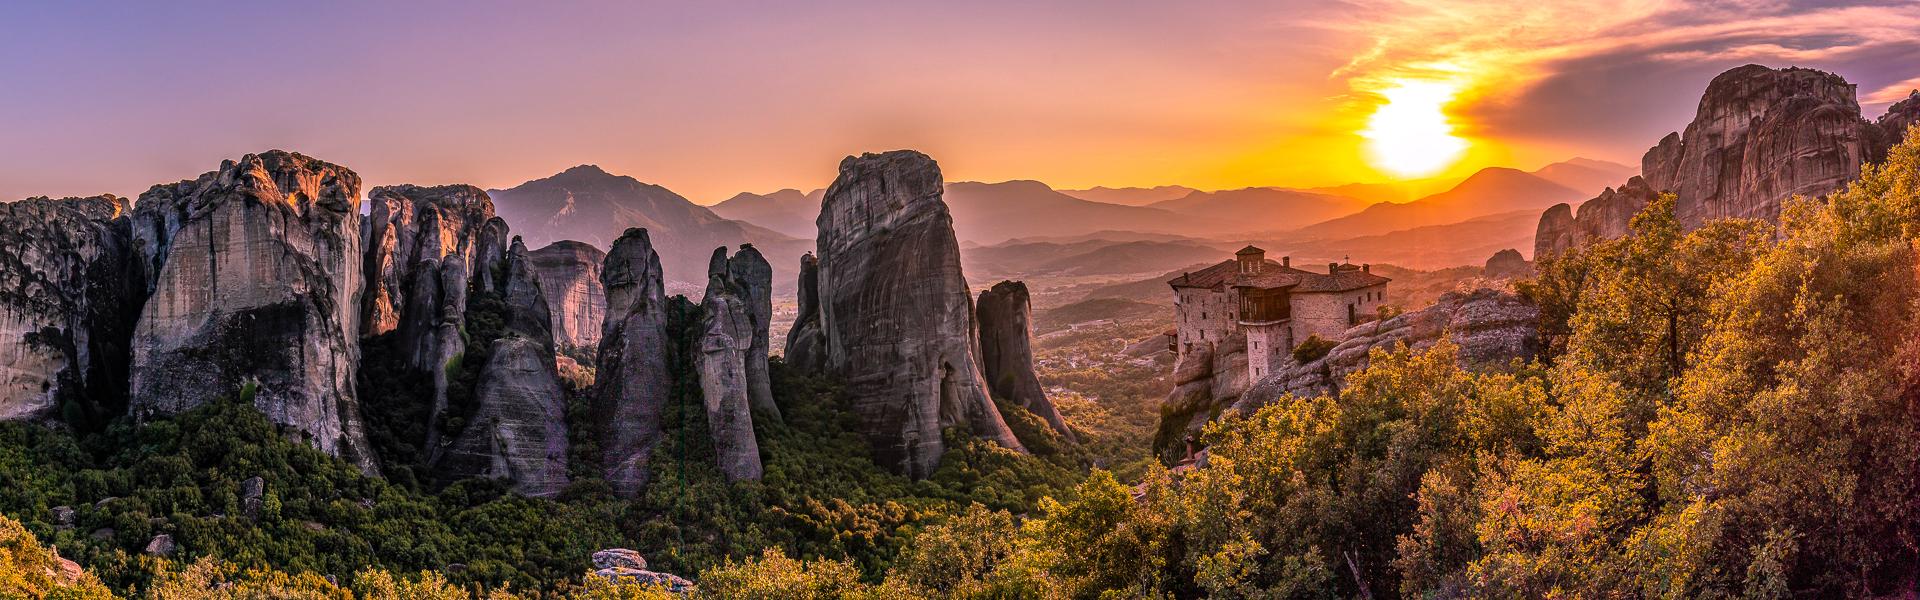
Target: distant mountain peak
[{"x": 583, "y": 170}]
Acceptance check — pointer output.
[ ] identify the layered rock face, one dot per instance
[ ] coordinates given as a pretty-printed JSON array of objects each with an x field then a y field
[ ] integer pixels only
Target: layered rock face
[
  {"x": 721, "y": 358},
  {"x": 1491, "y": 328},
  {"x": 69, "y": 296},
  {"x": 806, "y": 341},
  {"x": 427, "y": 248},
  {"x": 415, "y": 232},
  {"x": 1006, "y": 352},
  {"x": 632, "y": 381},
  {"x": 1759, "y": 137},
  {"x": 254, "y": 272},
  {"x": 569, "y": 273},
  {"x": 1206, "y": 380},
  {"x": 517, "y": 427},
  {"x": 746, "y": 276},
  {"x": 896, "y": 311}
]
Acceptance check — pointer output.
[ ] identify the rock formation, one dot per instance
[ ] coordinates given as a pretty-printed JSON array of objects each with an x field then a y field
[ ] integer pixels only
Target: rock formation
[
  {"x": 518, "y": 428},
  {"x": 569, "y": 273},
  {"x": 721, "y": 358},
  {"x": 806, "y": 341},
  {"x": 748, "y": 278},
  {"x": 427, "y": 248},
  {"x": 1206, "y": 380},
  {"x": 69, "y": 296},
  {"x": 254, "y": 273},
  {"x": 1507, "y": 264},
  {"x": 1006, "y": 353},
  {"x": 632, "y": 380},
  {"x": 413, "y": 232},
  {"x": 897, "y": 313},
  {"x": 1759, "y": 137},
  {"x": 1491, "y": 328},
  {"x": 621, "y": 565}
]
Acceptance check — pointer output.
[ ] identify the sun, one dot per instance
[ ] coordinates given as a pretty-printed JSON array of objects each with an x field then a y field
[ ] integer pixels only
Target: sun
[{"x": 1409, "y": 135}]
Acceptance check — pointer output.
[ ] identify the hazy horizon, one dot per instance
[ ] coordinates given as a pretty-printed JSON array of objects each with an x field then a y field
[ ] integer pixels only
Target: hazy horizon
[{"x": 710, "y": 101}]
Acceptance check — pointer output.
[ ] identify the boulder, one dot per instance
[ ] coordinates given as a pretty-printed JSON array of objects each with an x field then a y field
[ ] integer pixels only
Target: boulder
[
  {"x": 673, "y": 584},
  {"x": 1006, "y": 353},
  {"x": 721, "y": 357},
  {"x": 70, "y": 293},
  {"x": 632, "y": 380},
  {"x": 806, "y": 341},
  {"x": 618, "y": 558},
  {"x": 569, "y": 273},
  {"x": 897, "y": 313},
  {"x": 1492, "y": 328},
  {"x": 254, "y": 273},
  {"x": 161, "y": 545},
  {"x": 518, "y": 428}
]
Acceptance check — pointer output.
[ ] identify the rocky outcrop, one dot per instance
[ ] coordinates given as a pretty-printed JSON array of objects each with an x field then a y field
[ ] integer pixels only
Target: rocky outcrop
[
  {"x": 1492, "y": 328},
  {"x": 69, "y": 296},
  {"x": 632, "y": 378},
  {"x": 518, "y": 428},
  {"x": 414, "y": 232},
  {"x": 1206, "y": 379},
  {"x": 254, "y": 272},
  {"x": 1006, "y": 353},
  {"x": 897, "y": 313},
  {"x": 806, "y": 341},
  {"x": 569, "y": 273},
  {"x": 1507, "y": 264},
  {"x": 748, "y": 278},
  {"x": 1759, "y": 137},
  {"x": 720, "y": 357},
  {"x": 626, "y": 566}
]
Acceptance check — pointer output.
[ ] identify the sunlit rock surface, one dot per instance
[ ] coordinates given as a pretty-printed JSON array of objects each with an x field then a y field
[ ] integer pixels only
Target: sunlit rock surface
[{"x": 255, "y": 277}]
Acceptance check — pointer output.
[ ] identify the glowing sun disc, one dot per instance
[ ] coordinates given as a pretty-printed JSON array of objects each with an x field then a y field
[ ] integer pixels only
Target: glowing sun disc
[{"x": 1409, "y": 135}]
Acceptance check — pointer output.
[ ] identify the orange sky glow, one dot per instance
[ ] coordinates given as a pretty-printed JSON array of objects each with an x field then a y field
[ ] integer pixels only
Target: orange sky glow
[{"x": 711, "y": 100}]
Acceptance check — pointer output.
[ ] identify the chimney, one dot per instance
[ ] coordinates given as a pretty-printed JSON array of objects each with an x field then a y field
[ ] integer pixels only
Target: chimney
[
  {"x": 1286, "y": 261},
  {"x": 1333, "y": 268},
  {"x": 1366, "y": 268}
]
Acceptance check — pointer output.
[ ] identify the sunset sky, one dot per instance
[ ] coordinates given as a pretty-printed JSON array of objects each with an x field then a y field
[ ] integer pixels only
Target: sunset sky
[{"x": 713, "y": 98}]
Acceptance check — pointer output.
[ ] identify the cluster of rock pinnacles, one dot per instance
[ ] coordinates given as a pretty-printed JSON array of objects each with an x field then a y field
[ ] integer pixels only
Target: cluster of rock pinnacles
[{"x": 262, "y": 280}]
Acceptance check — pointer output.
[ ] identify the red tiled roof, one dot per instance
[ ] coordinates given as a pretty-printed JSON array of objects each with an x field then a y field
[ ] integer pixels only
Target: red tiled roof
[{"x": 1227, "y": 273}]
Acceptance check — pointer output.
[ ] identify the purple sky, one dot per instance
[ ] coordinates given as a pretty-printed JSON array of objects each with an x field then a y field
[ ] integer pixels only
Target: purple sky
[{"x": 712, "y": 98}]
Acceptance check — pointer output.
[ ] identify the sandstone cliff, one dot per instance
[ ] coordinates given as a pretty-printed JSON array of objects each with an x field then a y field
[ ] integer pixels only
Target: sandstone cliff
[
  {"x": 897, "y": 313},
  {"x": 69, "y": 296},
  {"x": 1006, "y": 352},
  {"x": 632, "y": 382},
  {"x": 413, "y": 231},
  {"x": 1759, "y": 137},
  {"x": 806, "y": 341},
  {"x": 1492, "y": 328},
  {"x": 569, "y": 273},
  {"x": 1206, "y": 380},
  {"x": 255, "y": 281},
  {"x": 721, "y": 357}
]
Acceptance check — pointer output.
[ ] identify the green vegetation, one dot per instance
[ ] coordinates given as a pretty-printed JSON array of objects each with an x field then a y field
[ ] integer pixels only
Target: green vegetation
[{"x": 1313, "y": 348}]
